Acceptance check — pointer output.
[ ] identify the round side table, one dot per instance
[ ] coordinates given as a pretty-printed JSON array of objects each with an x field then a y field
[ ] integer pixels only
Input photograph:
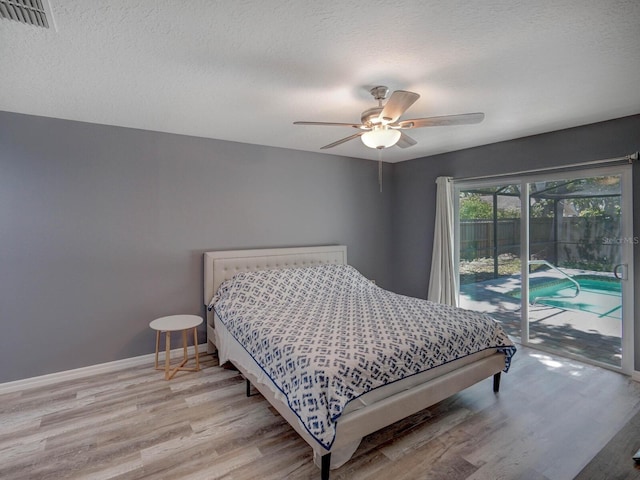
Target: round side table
[{"x": 175, "y": 323}]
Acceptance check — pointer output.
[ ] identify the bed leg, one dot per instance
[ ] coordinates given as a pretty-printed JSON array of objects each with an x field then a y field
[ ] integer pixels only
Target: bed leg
[
  {"x": 496, "y": 382},
  {"x": 248, "y": 387},
  {"x": 325, "y": 463}
]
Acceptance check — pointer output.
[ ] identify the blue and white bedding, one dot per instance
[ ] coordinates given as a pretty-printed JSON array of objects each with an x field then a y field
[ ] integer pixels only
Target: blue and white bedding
[{"x": 326, "y": 335}]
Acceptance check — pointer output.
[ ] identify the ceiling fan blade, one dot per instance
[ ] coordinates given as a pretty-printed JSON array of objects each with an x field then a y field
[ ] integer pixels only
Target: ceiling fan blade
[
  {"x": 343, "y": 140},
  {"x": 329, "y": 124},
  {"x": 405, "y": 141},
  {"x": 462, "y": 119},
  {"x": 397, "y": 104}
]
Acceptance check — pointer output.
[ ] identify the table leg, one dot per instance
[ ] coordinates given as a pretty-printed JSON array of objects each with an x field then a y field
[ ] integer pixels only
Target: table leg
[
  {"x": 157, "y": 346},
  {"x": 195, "y": 347},
  {"x": 169, "y": 371},
  {"x": 185, "y": 356},
  {"x": 167, "y": 359}
]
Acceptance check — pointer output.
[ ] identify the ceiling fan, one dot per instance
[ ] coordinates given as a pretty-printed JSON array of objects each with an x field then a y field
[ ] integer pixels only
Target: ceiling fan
[{"x": 381, "y": 126}]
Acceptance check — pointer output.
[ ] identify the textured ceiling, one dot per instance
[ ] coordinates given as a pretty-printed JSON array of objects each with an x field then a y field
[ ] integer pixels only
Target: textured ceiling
[{"x": 244, "y": 70}]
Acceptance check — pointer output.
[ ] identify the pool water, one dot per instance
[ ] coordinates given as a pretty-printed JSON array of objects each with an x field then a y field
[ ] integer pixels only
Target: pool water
[{"x": 598, "y": 295}]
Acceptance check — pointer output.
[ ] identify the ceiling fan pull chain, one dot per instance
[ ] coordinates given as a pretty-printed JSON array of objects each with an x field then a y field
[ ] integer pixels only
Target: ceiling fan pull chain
[{"x": 380, "y": 169}]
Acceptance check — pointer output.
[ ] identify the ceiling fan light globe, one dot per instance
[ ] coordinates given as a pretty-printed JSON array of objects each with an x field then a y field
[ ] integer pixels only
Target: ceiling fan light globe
[{"x": 381, "y": 137}]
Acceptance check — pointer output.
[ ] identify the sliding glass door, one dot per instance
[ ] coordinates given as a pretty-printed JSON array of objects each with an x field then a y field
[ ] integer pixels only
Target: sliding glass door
[
  {"x": 549, "y": 256},
  {"x": 489, "y": 251}
]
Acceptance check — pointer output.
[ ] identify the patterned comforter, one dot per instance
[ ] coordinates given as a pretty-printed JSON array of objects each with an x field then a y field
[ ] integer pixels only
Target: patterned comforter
[{"x": 326, "y": 335}]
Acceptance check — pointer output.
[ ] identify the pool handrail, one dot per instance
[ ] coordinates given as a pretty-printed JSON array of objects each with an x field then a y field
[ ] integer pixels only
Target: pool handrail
[{"x": 553, "y": 267}]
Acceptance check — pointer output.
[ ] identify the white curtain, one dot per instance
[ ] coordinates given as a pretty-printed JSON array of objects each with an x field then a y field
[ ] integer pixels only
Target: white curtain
[{"x": 442, "y": 282}]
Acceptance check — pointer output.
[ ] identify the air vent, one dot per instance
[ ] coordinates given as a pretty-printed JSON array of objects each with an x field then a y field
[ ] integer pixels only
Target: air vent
[{"x": 31, "y": 12}]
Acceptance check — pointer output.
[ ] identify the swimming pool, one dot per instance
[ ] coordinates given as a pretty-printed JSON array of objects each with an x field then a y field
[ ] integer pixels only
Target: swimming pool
[{"x": 599, "y": 295}]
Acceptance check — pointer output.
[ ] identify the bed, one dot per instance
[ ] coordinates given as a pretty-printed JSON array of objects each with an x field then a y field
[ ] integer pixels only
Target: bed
[{"x": 367, "y": 410}]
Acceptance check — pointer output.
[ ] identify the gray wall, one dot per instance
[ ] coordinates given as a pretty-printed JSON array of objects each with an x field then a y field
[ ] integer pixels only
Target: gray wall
[
  {"x": 102, "y": 229},
  {"x": 414, "y": 194}
]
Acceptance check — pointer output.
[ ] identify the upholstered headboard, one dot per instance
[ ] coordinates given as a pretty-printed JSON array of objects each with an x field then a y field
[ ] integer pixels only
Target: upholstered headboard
[{"x": 222, "y": 265}]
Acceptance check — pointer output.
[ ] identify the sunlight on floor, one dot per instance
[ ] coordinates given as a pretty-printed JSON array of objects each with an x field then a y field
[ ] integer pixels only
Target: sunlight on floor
[{"x": 576, "y": 369}]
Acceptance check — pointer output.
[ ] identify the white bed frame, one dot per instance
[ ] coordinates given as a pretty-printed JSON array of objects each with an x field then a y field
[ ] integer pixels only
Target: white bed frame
[{"x": 222, "y": 265}]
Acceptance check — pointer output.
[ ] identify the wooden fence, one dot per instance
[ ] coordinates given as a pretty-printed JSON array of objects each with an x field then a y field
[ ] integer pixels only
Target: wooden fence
[{"x": 575, "y": 238}]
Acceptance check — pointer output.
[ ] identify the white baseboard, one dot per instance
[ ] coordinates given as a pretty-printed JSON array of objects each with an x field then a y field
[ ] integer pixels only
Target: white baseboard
[
  {"x": 44, "y": 380},
  {"x": 116, "y": 365}
]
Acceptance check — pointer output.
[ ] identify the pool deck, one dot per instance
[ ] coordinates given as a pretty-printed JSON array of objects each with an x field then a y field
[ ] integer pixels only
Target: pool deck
[{"x": 577, "y": 332}]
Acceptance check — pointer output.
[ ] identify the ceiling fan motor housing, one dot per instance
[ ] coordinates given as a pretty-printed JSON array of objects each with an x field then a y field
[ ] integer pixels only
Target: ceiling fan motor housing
[{"x": 371, "y": 116}]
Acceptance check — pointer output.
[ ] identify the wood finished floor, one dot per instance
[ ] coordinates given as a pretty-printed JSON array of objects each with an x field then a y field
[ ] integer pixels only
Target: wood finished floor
[{"x": 550, "y": 418}]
